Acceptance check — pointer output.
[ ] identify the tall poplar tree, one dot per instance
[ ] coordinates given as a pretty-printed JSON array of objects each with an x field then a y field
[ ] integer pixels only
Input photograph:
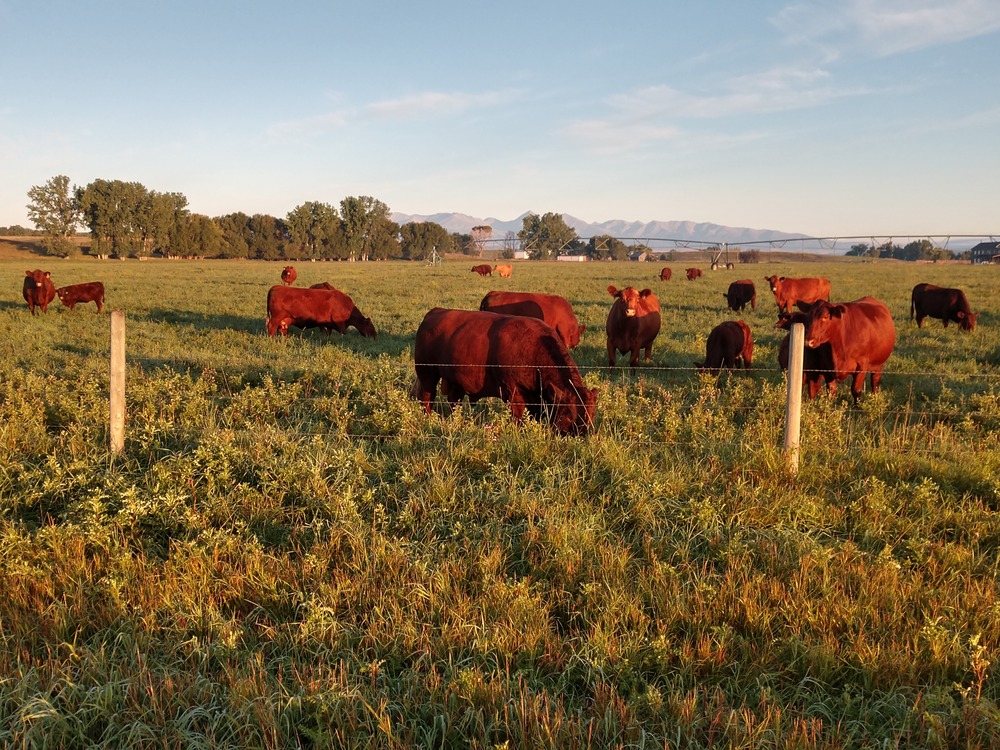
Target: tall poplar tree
[{"x": 54, "y": 210}]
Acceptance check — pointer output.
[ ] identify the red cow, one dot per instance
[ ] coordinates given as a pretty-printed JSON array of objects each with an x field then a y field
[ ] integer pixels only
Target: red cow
[
  {"x": 323, "y": 285},
  {"x": 788, "y": 292},
  {"x": 553, "y": 309},
  {"x": 633, "y": 323},
  {"x": 693, "y": 273},
  {"x": 313, "y": 308},
  {"x": 288, "y": 275},
  {"x": 740, "y": 293},
  {"x": 817, "y": 364},
  {"x": 504, "y": 269},
  {"x": 861, "y": 335},
  {"x": 665, "y": 274},
  {"x": 941, "y": 303},
  {"x": 90, "y": 292},
  {"x": 483, "y": 270},
  {"x": 38, "y": 290},
  {"x": 518, "y": 359},
  {"x": 727, "y": 343}
]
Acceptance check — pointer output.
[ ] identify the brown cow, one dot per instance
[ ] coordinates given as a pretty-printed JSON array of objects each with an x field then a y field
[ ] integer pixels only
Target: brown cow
[
  {"x": 941, "y": 303},
  {"x": 504, "y": 269},
  {"x": 693, "y": 273},
  {"x": 288, "y": 275},
  {"x": 861, "y": 335},
  {"x": 518, "y": 359},
  {"x": 92, "y": 291},
  {"x": 727, "y": 343},
  {"x": 740, "y": 293},
  {"x": 38, "y": 290},
  {"x": 817, "y": 364},
  {"x": 323, "y": 285},
  {"x": 553, "y": 309},
  {"x": 788, "y": 292},
  {"x": 633, "y": 323},
  {"x": 483, "y": 270},
  {"x": 665, "y": 274},
  {"x": 313, "y": 308}
]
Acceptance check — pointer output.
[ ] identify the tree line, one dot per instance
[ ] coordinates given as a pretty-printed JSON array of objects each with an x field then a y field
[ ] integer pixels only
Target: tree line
[
  {"x": 916, "y": 250},
  {"x": 127, "y": 219}
]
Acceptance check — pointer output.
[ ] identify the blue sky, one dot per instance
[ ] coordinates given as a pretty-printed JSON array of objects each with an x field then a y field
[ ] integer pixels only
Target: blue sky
[{"x": 840, "y": 117}]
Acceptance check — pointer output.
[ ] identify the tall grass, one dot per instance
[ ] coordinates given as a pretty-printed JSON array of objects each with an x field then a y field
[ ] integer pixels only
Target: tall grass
[{"x": 290, "y": 553}]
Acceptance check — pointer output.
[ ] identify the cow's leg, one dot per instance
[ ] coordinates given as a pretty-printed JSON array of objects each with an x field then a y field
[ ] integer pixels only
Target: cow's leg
[
  {"x": 858, "y": 384},
  {"x": 876, "y": 378},
  {"x": 633, "y": 359},
  {"x": 649, "y": 351},
  {"x": 517, "y": 405},
  {"x": 611, "y": 354}
]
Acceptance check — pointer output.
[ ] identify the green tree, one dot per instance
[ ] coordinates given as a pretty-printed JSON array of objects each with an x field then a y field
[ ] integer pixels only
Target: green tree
[
  {"x": 235, "y": 228},
  {"x": 268, "y": 237},
  {"x": 312, "y": 230},
  {"x": 606, "y": 247},
  {"x": 546, "y": 236},
  {"x": 112, "y": 209},
  {"x": 367, "y": 227},
  {"x": 418, "y": 239},
  {"x": 196, "y": 235},
  {"x": 54, "y": 209},
  {"x": 155, "y": 217}
]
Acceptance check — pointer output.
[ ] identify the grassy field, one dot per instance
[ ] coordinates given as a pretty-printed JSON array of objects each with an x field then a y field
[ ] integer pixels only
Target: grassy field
[{"x": 290, "y": 553}]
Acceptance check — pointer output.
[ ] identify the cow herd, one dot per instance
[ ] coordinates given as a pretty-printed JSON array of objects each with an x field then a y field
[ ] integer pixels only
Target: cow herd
[{"x": 516, "y": 345}]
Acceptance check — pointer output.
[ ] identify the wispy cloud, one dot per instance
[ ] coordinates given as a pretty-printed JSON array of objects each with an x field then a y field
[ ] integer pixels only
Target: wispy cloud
[
  {"x": 658, "y": 113},
  {"x": 424, "y": 105},
  {"x": 887, "y": 27}
]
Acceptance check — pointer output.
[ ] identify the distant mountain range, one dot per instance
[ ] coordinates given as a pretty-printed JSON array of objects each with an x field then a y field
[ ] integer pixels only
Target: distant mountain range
[{"x": 657, "y": 234}]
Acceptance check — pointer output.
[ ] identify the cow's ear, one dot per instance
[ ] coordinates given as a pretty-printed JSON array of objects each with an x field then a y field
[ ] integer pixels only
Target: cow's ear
[
  {"x": 959, "y": 314},
  {"x": 27, "y": 273},
  {"x": 645, "y": 292},
  {"x": 837, "y": 311},
  {"x": 782, "y": 278},
  {"x": 47, "y": 274},
  {"x": 612, "y": 290}
]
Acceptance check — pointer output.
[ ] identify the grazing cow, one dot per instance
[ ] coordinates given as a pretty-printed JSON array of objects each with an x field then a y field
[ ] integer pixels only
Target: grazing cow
[
  {"x": 504, "y": 269},
  {"x": 633, "y": 323},
  {"x": 861, "y": 335},
  {"x": 740, "y": 293},
  {"x": 323, "y": 285},
  {"x": 38, "y": 290},
  {"x": 789, "y": 292},
  {"x": 817, "y": 364},
  {"x": 553, "y": 309},
  {"x": 313, "y": 308},
  {"x": 288, "y": 275},
  {"x": 483, "y": 270},
  {"x": 693, "y": 273},
  {"x": 665, "y": 274},
  {"x": 941, "y": 303},
  {"x": 518, "y": 359},
  {"x": 90, "y": 292},
  {"x": 727, "y": 343}
]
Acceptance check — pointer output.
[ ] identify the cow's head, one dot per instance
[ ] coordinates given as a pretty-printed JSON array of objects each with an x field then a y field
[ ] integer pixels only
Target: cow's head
[
  {"x": 773, "y": 281},
  {"x": 363, "y": 324},
  {"x": 61, "y": 292},
  {"x": 629, "y": 298},
  {"x": 821, "y": 319},
  {"x": 574, "y": 408},
  {"x": 37, "y": 277},
  {"x": 967, "y": 321}
]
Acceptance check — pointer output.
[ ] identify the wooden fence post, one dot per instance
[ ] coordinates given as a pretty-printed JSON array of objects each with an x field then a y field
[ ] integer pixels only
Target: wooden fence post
[
  {"x": 793, "y": 406},
  {"x": 117, "y": 381}
]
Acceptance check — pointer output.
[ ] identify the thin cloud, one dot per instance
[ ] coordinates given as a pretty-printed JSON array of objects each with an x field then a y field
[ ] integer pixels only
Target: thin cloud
[
  {"x": 887, "y": 27},
  {"x": 428, "y": 104}
]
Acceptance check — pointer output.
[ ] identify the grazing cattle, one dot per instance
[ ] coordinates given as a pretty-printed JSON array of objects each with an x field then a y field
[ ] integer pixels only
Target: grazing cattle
[
  {"x": 90, "y": 292},
  {"x": 504, "y": 269},
  {"x": 323, "y": 285},
  {"x": 817, "y": 364},
  {"x": 483, "y": 270},
  {"x": 665, "y": 274},
  {"x": 861, "y": 335},
  {"x": 727, "y": 343},
  {"x": 288, "y": 275},
  {"x": 553, "y": 309},
  {"x": 518, "y": 359},
  {"x": 633, "y": 323},
  {"x": 693, "y": 273},
  {"x": 740, "y": 294},
  {"x": 38, "y": 290},
  {"x": 789, "y": 292},
  {"x": 941, "y": 303},
  {"x": 313, "y": 308}
]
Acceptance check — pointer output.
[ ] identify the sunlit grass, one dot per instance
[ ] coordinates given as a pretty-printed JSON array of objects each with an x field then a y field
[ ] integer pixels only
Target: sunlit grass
[{"x": 290, "y": 553}]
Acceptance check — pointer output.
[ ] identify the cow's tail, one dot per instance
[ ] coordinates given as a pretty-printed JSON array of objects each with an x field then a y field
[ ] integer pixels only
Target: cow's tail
[{"x": 912, "y": 307}]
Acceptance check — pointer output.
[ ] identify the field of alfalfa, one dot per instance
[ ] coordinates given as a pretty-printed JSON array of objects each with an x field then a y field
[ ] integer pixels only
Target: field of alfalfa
[{"x": 289, "y": 553}]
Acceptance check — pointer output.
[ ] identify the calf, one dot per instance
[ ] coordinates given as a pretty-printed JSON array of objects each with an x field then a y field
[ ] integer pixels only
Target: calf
[
  {"x": 92, "y": 291},
  {"x": 727, "y": 343}
]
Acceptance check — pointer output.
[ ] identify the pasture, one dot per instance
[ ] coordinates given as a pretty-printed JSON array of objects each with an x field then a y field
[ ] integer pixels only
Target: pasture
[{"x": 289, "y": 553}]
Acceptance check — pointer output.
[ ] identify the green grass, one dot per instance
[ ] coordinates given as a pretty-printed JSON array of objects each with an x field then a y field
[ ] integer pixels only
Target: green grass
[{"x": 290, "y": 553}]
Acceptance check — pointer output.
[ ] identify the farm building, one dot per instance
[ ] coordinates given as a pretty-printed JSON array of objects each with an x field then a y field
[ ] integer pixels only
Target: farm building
[{"x": 985, "y": 252}]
